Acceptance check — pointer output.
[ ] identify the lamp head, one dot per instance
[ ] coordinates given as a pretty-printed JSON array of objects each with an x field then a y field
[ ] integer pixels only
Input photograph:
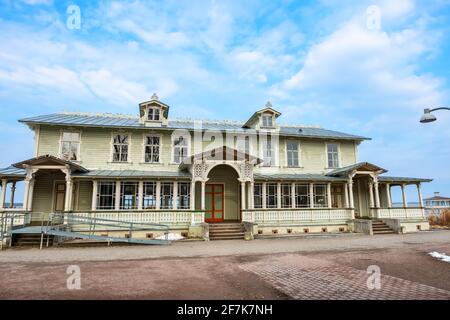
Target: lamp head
[{"x": 427, "y": 116}]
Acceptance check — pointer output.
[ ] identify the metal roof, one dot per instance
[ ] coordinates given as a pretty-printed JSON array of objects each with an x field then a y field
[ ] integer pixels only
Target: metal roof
[
  {"x": 295, "y": 176},
  {"x": 12, "y": 172},
  {"x": 115, "y": 121},
  {"x": 365, "y": 165},
  {"x": 438, "y": 198},
  {"x": 49, "y": 159},
  {"x": 402, "y": 179},
  {"x": 132, "y": 174}
]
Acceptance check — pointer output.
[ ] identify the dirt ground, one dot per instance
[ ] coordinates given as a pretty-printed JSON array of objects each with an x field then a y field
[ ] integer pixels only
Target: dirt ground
[{"x": 211, "y": 277}]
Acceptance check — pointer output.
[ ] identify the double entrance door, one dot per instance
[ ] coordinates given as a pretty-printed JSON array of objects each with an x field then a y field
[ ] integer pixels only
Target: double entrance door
[{"x": 214, "y": 203}]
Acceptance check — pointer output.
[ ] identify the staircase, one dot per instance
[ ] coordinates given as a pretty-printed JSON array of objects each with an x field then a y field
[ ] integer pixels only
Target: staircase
[
  {"x": 30, "y": 240},
  {"x": 226, "y": 231},
  {"x": 379, "y": 227}
]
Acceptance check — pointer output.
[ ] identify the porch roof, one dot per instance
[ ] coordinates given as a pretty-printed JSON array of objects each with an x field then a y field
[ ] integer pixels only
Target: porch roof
[
  {"x": 49, "y": 160},
  {"x": 298, "y": 177},
  {"x": 361, "y": 166},
  {"x": 402, "y": 179},
  {"x": 221, "y": 153},
  {"x": 132, "y": 174},
  {"x": 12, "y": 172}
]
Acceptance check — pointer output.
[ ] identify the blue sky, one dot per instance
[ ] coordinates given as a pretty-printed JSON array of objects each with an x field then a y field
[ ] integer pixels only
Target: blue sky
[{"x": 319, "y": 62}]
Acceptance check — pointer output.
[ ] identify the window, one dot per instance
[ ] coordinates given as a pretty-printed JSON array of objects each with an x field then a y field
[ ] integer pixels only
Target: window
[
  {"x": 149, "y": 195},
  {"x": 333, "y": 155},
  {"x": 242, "y": 144},
  {"x": 271, "y": 195},
  {"x": 257, "y": 196},
  {"x": 152, "y": 145},
  {"x": 153, "y": 114},
  {"x": 120, "y": 151},
  {"x": 180, "y": 149},
  {"x": 106, "y": 195},
  {"x": 286, "y": 200},
  {"x": 292, "y": 153},
  {"x": 337, "y": 197},
  {"x": 301, "y": 195},
  {"x": 166, "y": 195},
  {"x": 70, "y": 144},
  {"x": 267, "y": 121},
  {"x": 184, "y": 190},
  {"x": 268, "y": 154},
  {"x": 320, "y": 195},
  {"x": 129, "y": 195}
]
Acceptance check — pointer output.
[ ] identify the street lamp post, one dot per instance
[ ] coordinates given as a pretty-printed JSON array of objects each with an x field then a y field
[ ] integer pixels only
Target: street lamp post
[{"x": 428, "y": 116}]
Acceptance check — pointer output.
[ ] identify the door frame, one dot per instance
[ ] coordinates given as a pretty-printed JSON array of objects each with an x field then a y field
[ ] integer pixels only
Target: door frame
[
  {"x": 212, "y": 202},
  {"x": 55, "y": 183}
]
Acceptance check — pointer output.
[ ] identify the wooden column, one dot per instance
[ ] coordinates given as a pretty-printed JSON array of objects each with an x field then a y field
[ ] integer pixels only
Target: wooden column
[
  {"x": 13, "y": 193},
  {"x": 350, "y": 194},
  {"x": 405, "y": 201},
  {"x": 30, "y": 195},
  {"x": 377, "y": 194},
  {"x": 117, "y": 204},
  {"x": 3, "y": 194},
  {"x": 158, "y": 195},
  {"x": 242, "y": 195},
  {"x": 203, "y": 195},
  {"x": 329, "y": 195},
  {"x": 388, "y": 195},
  {"x": 264, "y": 195},
  {"x": 252, "y": 195},
  {"x": 278, "y": 195},
  {"x": 419, "y": 193},
  {"x": 346, "y": 204},
  {"x": 140, "y": 195},
  {"x": 175, "y": 196},
  {"x": 293, "y": 195},
  {"x": 94, "y": 195},
  {"x": 311, "y": 195},
  {"x": 371, "y": 202},
  {"x": 192, "y": 198}
]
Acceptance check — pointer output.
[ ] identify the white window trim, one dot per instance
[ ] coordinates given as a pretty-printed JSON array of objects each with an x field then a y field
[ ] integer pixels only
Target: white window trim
[
  {"x": 172, "y": 154},
  {"x": 161, "y": 194},
  {"x": 339, "y": 155},
  {"x": 61, "y": 132},
  {"x": 275, "y": 151},
  {"x": 111, "y": 153},
  {"x": 262, "y": 120},
  {"x": 153, "y": 107},
  {"x": 144, "y": 144},
  {"x": 189, "y": 194},
  {"x": 299, "y": 156}
]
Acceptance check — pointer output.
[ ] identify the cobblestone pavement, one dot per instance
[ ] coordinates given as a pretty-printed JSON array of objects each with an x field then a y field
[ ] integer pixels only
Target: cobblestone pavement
[{"x": 305, "y": 278}]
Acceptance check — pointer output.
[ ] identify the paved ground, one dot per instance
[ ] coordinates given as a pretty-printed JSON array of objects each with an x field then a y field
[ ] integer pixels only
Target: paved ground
[{"x": 325, "y": 268}]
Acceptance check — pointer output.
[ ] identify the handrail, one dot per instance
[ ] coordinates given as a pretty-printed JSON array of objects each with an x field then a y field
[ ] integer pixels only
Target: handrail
[{"x": 7, "y": 219}]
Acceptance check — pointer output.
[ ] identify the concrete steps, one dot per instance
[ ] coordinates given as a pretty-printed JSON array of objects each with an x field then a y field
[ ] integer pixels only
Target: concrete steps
[
  {"x": 226, "y": 231},
  {"x": 30, "y": 240},
  {"x": 379, "y": 227}
]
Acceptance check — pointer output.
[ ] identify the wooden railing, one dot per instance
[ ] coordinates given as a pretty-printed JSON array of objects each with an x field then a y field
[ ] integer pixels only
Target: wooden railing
[
  {"x": 285, "y": 216},
  {"x": 398, "y": 213},
  {"x": 168, "y": 217}
]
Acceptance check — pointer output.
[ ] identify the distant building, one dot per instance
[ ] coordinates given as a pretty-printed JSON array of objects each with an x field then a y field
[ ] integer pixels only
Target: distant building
[{"x": 436, "y": 204}]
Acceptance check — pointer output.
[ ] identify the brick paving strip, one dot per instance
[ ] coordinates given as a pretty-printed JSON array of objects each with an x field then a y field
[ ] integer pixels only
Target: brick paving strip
[{"x": 305, "y": 278}]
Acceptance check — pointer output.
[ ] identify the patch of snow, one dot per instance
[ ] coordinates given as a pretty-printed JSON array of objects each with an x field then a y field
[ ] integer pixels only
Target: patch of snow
[
  {"x": 440, "y": 256},
  {"x": 171, "y": 237}
]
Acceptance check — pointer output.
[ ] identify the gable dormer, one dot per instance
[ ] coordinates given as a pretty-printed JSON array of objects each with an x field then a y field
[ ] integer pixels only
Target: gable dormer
[
  {"x": 154, "y": 113},
  {"x": 264, "y": 118}
]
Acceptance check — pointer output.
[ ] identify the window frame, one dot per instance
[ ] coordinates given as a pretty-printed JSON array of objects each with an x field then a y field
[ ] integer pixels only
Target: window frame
[
  {"x": 318, "y": 196},
  {"x": 267, "y": 116},
  {"x": 338, "y": 156},
  {"x": 172, "y": 147},
  {"x": 271, "y": 196},
  {"x": 61, "y": 141},
  {"x": 257, "y": 195},
  {"x": 99, "y": 195},
  {"x": 145, "y": 194},
  {"x": 153, "y": 108},
  {"x": 286, "y": 199},
  {"x": 114, "y": 134},
  {"x": 135, "y": 196},
  {"x": 264, "y": 149},
  {"x": 145, "y": 145},
  {"x": 163, "y": 196},
  {"x": 298, "y": 195},
  {"x": 287, "y": 142},
  {"x": 185, "y": 196}
]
